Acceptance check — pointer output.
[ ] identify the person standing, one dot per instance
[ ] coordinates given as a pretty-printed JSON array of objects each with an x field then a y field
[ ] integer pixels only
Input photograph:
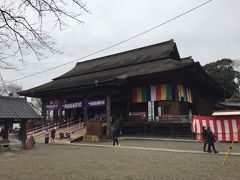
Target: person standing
[
  {"x": 46, "y": 136},
  {"x": 32, "y": 141},
  {"x": 211, "y": 140},
  {"x": 53, "y": 132},
  {"x": 115, "y": 135},
  {"x": 205, "y": 135}
]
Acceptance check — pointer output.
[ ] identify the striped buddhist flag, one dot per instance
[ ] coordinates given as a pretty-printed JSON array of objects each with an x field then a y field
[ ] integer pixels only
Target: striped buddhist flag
[
  {"x": 184, "y": 93},
  {"x": 139, "y": 95},
  {"x": 181, "y": 92},
  {"x": 161, "y": 92},
  {"x": 189, "y": 95}
]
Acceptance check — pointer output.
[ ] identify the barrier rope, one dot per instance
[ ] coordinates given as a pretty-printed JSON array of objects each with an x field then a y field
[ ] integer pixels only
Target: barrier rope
[{"x": 230, "y": 147}]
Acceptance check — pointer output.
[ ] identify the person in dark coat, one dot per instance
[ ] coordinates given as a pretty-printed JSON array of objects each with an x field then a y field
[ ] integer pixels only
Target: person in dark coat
[
  {"x": 205, "y": 134},
  {"x": 46, "y": 136},
  {"x": 53, "y": 132},
  {"x": 211, "y": 140},
  {"x": 115, "y": 136}
]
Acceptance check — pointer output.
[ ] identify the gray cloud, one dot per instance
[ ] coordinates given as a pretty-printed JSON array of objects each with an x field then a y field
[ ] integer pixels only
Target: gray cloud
[{"x": 207, "y": 34}]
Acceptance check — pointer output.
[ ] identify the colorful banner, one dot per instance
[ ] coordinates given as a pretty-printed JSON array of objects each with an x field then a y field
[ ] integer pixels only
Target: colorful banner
[
  {"x": 224, "y": 127},
  {"x": 139, "y": 95},
  {"x": 184, "y": 94},
  {"x": 161, "y": 92}
]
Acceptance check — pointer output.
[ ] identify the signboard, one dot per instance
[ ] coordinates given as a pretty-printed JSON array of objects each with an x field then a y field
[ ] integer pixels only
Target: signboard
[
  {"x": 96, "y": 103},
  {"x": 152, "y": 106},
  {"x": 150, "y": 110},
  {"x": 72, "y": 105},
  {"x": 137, "y": 114},
  {"x": 159, "y": 111}
]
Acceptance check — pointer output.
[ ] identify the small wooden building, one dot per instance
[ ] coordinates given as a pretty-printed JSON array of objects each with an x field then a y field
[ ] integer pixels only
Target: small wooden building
[
  {"x": 148, "y": 91},
  {"x": 16, "y": 110}
]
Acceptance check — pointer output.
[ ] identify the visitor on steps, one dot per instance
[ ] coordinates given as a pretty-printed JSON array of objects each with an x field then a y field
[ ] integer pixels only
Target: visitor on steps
[
  {"x": 53, "y": 132},
  {"x": 46, "y": 136}
]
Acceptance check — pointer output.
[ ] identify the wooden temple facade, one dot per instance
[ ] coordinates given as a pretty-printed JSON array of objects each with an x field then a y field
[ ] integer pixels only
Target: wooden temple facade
[{"x": 148, "y": 91}]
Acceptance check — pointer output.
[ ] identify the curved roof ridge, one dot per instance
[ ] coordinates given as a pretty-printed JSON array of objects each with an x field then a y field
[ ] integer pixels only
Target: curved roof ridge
[
  {"x": 148, "y": 53},
  {"x": 124, "y": 52}
]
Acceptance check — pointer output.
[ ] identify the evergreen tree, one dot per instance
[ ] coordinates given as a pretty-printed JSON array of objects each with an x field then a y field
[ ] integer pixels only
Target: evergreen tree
[{"x": 223, "y": 71}]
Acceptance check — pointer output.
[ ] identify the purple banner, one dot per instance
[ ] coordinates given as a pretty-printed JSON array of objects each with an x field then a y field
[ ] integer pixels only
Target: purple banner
[
  {"x": 72, "y": 105},
  {"x": 96, "y": 103},
  {"x": 51, "y": 106}
]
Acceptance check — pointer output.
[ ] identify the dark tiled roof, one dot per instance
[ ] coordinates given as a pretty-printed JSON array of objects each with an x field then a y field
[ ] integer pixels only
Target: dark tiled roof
[
  {"x": 230, "y": 104},
  {"x": 110, "y": 75},
  {"x": 158, "y": 51},
  {"x": 154, "y": 59},
  {"x": 16, "y": 108}
]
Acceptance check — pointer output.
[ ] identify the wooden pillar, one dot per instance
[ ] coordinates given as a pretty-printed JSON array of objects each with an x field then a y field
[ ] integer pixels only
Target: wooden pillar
[
  {"x": 177, "y": 105},
  {"x": 128, "y": 101},
  {"x": 6, "y": 128},
  {"x": 85, "y": 110},
  {"x": 23, "y": 133},
  {"x": 60, "y": 117},
  {"x": 108, "y": 113},
  {"x": 44, "y": 111}
]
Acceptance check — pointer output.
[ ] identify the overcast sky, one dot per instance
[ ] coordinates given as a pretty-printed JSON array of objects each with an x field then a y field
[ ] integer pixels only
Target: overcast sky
[{"x": 207, "y": 34}]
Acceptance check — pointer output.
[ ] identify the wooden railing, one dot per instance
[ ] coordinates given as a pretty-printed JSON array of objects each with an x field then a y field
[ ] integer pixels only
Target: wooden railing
[{"x": 38, "y": 131}]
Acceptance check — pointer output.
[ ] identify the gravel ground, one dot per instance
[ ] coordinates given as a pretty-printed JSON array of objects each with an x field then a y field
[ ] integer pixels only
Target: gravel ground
[{"x": 82, "y": 162}]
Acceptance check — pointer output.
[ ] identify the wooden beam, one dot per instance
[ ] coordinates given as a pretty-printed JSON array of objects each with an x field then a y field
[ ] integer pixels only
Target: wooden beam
[
  {"x": 23, "y": 133},
  {"x": 5, "y": 130},
  {"x": 85, "y": 109},
  {"x": 44, "y": 110},
  {"x": 109, "y": 117}
]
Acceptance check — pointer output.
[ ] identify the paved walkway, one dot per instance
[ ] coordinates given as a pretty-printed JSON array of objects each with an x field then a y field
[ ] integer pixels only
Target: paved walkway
[
  {"x": 149, "y": 148},
  {"x": 158, "y": 139},
  {"x": 134, "y": 159},
  {"x": 151, "y": 144},
  {"x": 161, "y": 144}
]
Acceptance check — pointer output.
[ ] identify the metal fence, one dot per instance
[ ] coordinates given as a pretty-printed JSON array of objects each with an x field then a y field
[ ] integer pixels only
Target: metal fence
[{"x": 168, "y": 126}]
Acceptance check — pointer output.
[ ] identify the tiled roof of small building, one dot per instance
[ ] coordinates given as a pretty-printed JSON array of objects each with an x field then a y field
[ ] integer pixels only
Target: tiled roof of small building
[{"x": 16, "y": 108}]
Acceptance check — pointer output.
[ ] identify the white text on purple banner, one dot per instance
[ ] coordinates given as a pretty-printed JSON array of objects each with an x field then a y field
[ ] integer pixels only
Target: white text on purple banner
[
  {"x": 95, "y": 103},
  {"x": 72, "y": 105}
]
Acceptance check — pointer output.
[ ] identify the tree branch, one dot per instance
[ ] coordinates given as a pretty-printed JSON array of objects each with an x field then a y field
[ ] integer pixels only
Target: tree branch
[{"x": 19, "y": 37}]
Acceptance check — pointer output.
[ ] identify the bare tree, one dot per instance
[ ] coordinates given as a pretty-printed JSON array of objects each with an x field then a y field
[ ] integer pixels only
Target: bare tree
[
  {"x": 36, "y": 103},
  {"x": 21, "y": 26},
  {"x": 9, "y": 89}
]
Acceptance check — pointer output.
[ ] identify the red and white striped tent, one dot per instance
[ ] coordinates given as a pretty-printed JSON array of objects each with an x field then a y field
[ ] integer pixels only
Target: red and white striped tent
[{"x": 224, "y": 127}]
